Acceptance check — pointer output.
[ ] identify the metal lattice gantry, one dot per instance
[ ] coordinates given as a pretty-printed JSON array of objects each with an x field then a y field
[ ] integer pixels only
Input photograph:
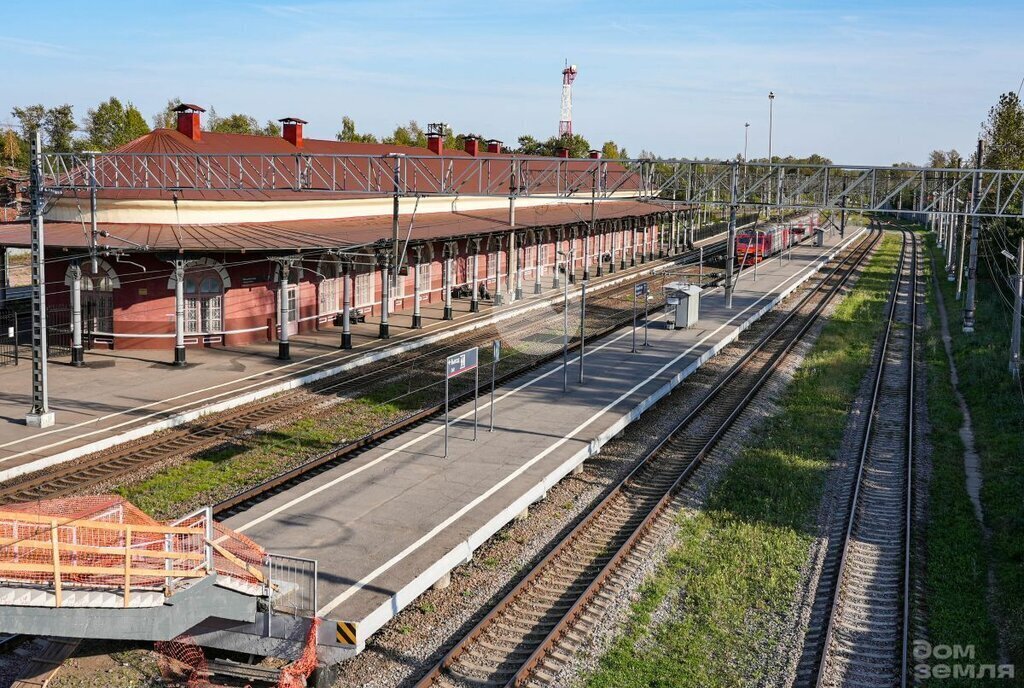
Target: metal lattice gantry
[
  {"x": 976, "y": 193},
  {"x": 776, "y": 185}
]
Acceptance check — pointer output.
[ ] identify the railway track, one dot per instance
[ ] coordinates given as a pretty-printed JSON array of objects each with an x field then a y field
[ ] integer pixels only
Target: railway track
[
  {"x": 866, "y": 579},
  {"x": 526, "y": 638},
  {"x": 78, "y": 476}
]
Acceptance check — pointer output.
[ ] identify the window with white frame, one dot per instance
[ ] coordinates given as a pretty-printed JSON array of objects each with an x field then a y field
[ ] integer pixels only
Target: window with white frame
[
  {"x": 398, "y": 286},
  {"x": 330, "y": 289},
  {"x": 330, "y": 295},
  {"x": 204, "y": 302},
  {"x": 363, "y": 289},
  {"x": 424, "y": 274}
]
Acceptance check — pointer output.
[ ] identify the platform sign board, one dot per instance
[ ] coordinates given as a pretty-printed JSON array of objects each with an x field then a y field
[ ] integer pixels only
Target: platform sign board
[
  {"x": 462, "y": 363},
  {"x": 641, "y": 289},
  {"x": 456, "y": 365}
]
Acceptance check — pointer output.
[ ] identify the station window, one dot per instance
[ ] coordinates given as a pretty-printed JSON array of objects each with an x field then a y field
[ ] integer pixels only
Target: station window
[
  {"x": 204, "y": 302},
  {"x": 398, "y": 286},
  {"x": 425, "y": 273},
  {"x": 330, "y": 290},
  {"x": 364, "y": 289}
]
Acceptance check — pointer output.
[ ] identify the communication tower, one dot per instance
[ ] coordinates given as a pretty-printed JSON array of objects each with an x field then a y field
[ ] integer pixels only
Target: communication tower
[{"x": 565, "y": 123}]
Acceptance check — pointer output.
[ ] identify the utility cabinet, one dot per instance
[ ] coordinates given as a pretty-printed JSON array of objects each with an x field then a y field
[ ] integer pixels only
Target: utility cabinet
[{"x": 684, "y": 300}]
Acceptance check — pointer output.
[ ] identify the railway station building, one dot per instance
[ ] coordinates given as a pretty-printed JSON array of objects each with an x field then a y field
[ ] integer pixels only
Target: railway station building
[{"x": 166, "y": 268}]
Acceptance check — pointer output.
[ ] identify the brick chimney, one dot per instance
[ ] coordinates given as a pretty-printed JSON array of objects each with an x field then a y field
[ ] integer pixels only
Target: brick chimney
[
  {"x": 188, "y": 120},
  {"x": 493, "y": 146},
  {"x": 293, "y": 130},
  {"x": 473, "y": 146},
  {"x": 435, "y": 138},
  {"x": 595, "y": 154},
  {"x": 563, "y": 152}
]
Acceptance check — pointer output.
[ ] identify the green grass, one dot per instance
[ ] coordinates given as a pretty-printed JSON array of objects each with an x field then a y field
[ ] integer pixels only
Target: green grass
[
  {"x": 957, "y": 563},
  {"x": 218, "y": 473},
  {"x": 223, "y": 471},
  {"x": 739, "y": 559}
]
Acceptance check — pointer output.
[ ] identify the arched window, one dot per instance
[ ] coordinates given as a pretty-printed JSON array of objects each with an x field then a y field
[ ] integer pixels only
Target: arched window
[{"x": 204, "y": 301}]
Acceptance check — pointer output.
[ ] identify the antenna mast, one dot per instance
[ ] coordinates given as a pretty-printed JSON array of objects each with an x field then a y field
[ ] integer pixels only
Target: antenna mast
[{"x": 565, "y": 123}]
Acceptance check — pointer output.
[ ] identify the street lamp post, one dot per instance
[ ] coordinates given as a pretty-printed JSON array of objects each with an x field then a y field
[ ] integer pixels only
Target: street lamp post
[{"x": 746, "y": 139}]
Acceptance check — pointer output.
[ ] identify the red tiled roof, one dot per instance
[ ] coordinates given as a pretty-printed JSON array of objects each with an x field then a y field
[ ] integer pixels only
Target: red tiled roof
[
  {"x": 314, "y": 234},
  {"x": 170, "y": 142}
]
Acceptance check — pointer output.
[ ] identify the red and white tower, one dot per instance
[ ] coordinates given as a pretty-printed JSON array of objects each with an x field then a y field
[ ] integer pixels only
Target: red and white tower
[{"x": 565, "y": 123}]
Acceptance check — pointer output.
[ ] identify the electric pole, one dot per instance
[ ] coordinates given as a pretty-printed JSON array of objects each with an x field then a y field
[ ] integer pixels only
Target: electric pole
[
  {"x": 40, "y": 416},
  {"x": 972, "y": 261},
  {"x": 730, "y": 242}
]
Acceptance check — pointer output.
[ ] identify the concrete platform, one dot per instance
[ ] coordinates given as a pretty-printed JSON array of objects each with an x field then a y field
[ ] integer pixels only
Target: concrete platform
[
  {"x": 123, "y": 395},
  {"x": 389, "y": 523}
]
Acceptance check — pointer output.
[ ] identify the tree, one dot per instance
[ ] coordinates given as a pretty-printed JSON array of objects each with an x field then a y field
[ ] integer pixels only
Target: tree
[
  {"x": 578, "y": 146},
  {"x": 134, "y": 123},
  {"x": 239, "y": 123},
  {"x": 111, "y": 124},
  {"x": 938, "y": 158},
  {"x": 271, "y": 128},
  {"x": 167, "y": 118},
  {"x": 12, "y": 147},
  {"x": 530, "y": 146},
  {"x": 59, "y": 125},
  {"x": 610, "y": 149},
  {"x": 30, "y": 118},
  {"x": 348, "y": 132},
  {"x": 408, "y": 135},
  {"x": 236, "y": 123},
  {"x": 1003, "y": 136},
  {"x": 460, "y": 140}
]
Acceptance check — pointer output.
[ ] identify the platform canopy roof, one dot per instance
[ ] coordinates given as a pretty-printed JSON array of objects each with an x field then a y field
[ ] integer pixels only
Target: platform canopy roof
[{"x": 301, "y": 235}]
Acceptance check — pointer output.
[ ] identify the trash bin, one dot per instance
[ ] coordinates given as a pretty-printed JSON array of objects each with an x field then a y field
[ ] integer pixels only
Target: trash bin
[
  {"x": 819, "y": 237},
  {"x": 685, "y": 298}
]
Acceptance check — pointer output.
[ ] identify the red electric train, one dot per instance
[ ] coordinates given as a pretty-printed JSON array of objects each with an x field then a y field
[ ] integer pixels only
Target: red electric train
[{"x": 754, "y": 246}]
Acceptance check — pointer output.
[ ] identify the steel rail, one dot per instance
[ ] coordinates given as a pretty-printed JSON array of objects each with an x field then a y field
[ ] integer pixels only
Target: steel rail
[
  {"x": 858, "y": 255},
  {"x": 345, "y": 451},
  {"x": 867, "y": 436},
  {"x": 66, "y": 479}
]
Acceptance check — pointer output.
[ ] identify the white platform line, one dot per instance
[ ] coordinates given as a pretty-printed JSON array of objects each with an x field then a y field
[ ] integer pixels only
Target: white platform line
[
  {"x": 380, "y": 353},
  {"x": 463, "y": 551},
  {"x": 369, "y": 578}
]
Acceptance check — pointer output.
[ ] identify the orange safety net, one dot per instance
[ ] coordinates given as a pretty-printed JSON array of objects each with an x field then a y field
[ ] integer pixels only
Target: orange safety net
[
  {"x": 183, "y": 663},
  {"x": 295, "y": 674},
  {"x": 243, "y": 549},
  {"x": 105, "y": 541}
]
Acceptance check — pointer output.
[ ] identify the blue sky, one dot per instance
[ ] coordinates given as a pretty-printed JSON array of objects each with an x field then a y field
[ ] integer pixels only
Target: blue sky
[{"x": 861, "y": 82}]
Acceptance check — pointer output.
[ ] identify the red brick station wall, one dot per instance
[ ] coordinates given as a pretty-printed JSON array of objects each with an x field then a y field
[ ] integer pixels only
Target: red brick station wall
[{"x": 144, "y": 305}]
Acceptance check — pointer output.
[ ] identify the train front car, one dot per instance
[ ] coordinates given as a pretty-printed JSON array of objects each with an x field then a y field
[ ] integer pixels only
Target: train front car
[{"x": 748, "y": 249}]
